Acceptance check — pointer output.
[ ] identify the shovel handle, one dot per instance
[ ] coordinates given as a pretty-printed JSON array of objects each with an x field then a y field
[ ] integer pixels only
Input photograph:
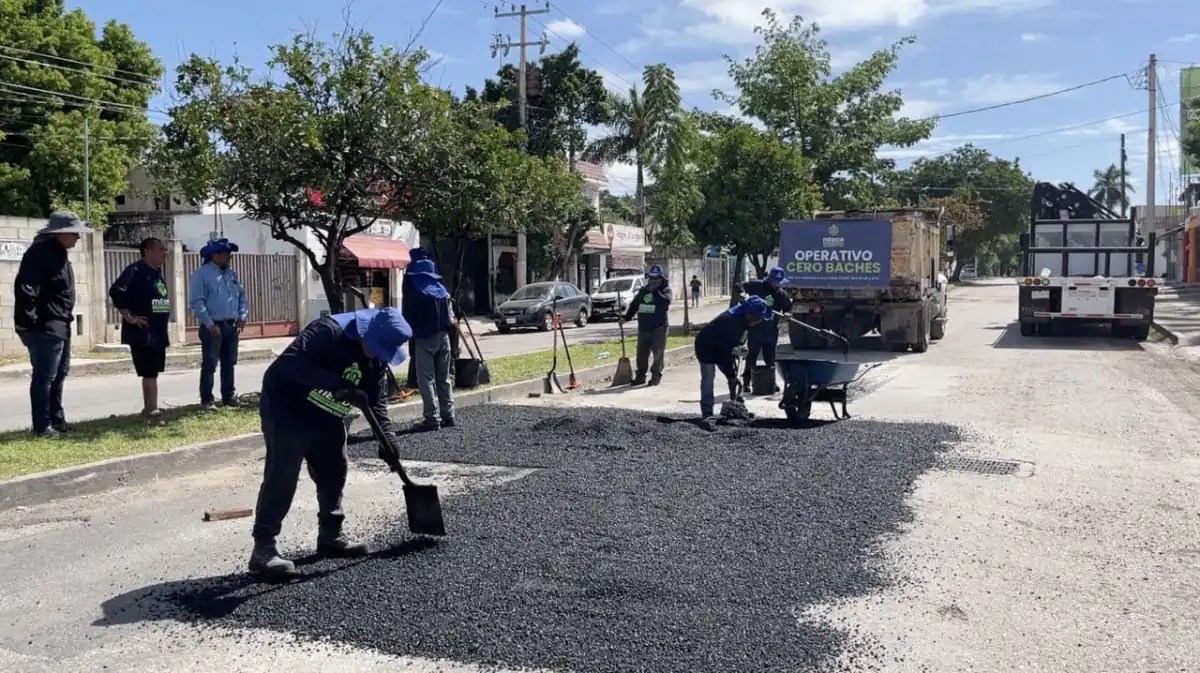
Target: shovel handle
[
  {"x": 360, "y": 399},
  {"x": 826, "y": 334}
]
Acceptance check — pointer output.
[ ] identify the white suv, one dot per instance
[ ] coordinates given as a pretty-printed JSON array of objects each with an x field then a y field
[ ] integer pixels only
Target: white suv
[{"x": 605, "y": 302}]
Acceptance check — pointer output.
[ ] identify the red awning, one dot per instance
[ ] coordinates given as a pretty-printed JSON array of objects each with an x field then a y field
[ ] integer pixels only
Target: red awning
[{"x": 376, "y": 252}]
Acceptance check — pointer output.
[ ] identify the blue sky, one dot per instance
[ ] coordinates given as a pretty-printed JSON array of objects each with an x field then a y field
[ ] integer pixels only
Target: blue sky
[{"x": 969, "y": 54}]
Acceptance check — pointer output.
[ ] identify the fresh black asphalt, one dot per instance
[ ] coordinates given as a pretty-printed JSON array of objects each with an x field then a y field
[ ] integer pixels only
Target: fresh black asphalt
[{"x": 639, "y": 545}]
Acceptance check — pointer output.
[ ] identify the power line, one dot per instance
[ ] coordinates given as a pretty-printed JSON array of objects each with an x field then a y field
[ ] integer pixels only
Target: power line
[
  {"x": 121, "y": 80},
  {"x": 436, "y": 6},
  {"x": 110, "y": 106},
  {"x": 29, "y": 52},
  {"x": 1029, "y": 99}
]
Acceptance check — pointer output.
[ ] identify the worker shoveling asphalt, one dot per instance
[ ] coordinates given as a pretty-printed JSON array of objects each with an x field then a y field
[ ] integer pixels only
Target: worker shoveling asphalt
[{"x": 714, "y": 346}]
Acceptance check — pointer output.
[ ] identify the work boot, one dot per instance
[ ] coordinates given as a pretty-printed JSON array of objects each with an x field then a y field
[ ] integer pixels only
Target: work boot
[
  {"x": 266, "y": 561},
  {"x": 426, "y": 425},
  {"x": 639, "y": 380},
  {"x": 655, "y": 380},
  {"x": 339, "y": 546},
  {"x": 448, "y": 423}
]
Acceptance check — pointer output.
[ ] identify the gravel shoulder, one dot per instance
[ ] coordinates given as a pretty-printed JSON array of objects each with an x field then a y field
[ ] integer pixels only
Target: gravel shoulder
[{"x": 843, "y": 546}]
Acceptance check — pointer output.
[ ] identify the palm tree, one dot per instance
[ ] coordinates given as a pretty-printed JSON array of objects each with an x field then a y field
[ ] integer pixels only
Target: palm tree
[
  {"x": 641, "y": 129},
  {"x": 1107, "y": 189}
]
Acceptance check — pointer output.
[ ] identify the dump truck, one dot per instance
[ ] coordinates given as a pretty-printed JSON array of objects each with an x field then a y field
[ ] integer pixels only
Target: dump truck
[
  {"x": 854, "y": 272},
  {"x": 1082, "y": 262}
]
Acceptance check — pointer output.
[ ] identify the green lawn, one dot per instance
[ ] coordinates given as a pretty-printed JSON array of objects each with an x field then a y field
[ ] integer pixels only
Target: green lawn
[{"x": 91, "y": 441}]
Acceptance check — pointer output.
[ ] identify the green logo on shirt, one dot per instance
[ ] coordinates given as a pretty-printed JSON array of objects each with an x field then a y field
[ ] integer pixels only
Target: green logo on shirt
[
  {"x": 162, "y": 303},
  {"x": 352, "y": 374}
]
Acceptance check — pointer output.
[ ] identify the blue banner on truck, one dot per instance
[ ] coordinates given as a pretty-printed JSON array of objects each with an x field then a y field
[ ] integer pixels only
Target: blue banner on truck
[{"x": 836, "y": 253}]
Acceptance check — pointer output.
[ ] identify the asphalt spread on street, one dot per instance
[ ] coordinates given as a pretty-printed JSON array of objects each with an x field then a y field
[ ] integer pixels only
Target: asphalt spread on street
[{"x": 639, "y": 545}]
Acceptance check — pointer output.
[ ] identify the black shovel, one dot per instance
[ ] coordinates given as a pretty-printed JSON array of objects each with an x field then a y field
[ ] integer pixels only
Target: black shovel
[
  {"x": 421, "y": 500},
  {"x": 551, "y": 383},
  {"x": 485, "y": 375}
]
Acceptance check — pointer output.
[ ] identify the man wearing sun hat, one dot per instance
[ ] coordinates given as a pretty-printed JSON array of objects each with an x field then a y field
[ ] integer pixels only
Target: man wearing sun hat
[
  {"x": 218, "y": 300},
  {"x": 307, "y": 393},
  {"x": 426, "y": 306},
  {"x": 45, "y": 308},
  {"x": 764, "y": 338},
  {"x": 715, "y": 343}
]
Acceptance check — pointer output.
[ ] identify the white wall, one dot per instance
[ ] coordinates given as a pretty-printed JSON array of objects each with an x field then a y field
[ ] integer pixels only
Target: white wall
[
  {"x": 139, "y": 196},
  {"x": 312, "y": 293},
  {"x": 251, "y": 236}
]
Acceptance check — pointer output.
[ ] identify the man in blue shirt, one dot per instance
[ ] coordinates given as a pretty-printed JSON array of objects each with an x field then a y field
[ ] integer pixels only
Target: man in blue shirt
[
  {"x": 426, "y": 307},
  {"x": 307, "y": 393},
  {"x": 141, "y": 295},
  {"x": 218, "y": 300}
]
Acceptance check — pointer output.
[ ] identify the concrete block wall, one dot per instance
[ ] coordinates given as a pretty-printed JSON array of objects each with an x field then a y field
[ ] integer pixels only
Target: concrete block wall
[{"x": 90, "y": 294}]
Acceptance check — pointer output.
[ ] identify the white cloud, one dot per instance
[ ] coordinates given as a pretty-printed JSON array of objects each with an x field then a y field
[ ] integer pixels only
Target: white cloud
[
  {"x": 565, "y": 28},
  {"x": 994, "y": 88},
  {"x": 622, "y": 178},
  {"x": 1032, "y": 37},
  {"x": 919, "y": 108},
  {"x": 1111, "y": 128},
  {"x": 701, "y": 77},
  {"x": 1184, "y": 39}
]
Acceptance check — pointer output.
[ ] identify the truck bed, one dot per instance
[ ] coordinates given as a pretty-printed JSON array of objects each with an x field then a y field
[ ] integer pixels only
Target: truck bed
[{"x": 916, "y": 240}]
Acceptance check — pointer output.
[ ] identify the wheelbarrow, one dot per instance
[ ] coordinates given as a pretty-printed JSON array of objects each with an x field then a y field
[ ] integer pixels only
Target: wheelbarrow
[{"x": 806, "y": 380}]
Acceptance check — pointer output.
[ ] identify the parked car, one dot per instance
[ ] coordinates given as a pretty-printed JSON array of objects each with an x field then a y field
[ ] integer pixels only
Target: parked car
[
  {"x": 534, "y": 304},
  {"x": 605, "y": 300}
]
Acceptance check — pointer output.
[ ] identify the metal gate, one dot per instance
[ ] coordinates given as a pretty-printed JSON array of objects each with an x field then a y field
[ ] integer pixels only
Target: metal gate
[{"x": 270, "y": 282}]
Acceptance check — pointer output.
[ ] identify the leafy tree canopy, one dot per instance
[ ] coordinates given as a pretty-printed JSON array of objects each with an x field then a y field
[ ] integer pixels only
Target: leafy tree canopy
[
  {"x": 55, "y": 73},
  {"x": 837, "y": 122}
]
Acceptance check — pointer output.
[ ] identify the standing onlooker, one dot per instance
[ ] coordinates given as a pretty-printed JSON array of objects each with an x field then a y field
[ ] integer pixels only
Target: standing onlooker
[
  {"x": 695, "y": 291},
  {"x": 219, "y": 302},
  {"x": 141, "y": 295},
  {"x": 651, "y": 304},
  {"x": 45, "y": 305},
  {"x": 426, "y": 306}
]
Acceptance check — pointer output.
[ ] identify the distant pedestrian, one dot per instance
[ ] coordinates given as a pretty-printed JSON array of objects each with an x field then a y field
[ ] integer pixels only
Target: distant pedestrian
[
  {"x": 141, "y": 295},
  {"x": 218, "y": 300},
  {"x": 651, "y": 303},
  {"x": 695, "y": 291},
  {"x": 45, "y": 309},
  {"x": 426, "y": 307}
]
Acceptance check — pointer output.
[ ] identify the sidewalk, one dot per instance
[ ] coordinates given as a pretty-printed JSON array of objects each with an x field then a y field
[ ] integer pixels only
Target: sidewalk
[
  {"x": 114, "y": 359},
  {"x": 1177, "y": 313}
]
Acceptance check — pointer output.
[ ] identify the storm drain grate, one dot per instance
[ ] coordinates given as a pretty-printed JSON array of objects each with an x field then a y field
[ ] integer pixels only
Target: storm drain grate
[{"x": 1004, "y": 468}]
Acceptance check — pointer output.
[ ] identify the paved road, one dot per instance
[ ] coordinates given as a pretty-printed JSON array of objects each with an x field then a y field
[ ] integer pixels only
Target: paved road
[
  {"x": 1086, "y": 562},
  {"x": 91, "y": 397}
]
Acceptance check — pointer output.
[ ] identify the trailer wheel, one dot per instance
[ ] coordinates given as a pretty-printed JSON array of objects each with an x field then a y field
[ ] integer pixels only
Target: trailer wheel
[
  {"x": 923, "y": 325},
  {"x": 898, "y": 347},
  {"x": 1028, "y": 329},
  {"x": 937, "y": 330},
  {"x": 1140, "y": 332}
]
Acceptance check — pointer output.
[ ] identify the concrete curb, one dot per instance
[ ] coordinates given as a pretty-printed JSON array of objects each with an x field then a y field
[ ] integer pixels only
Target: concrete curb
[
  {"x": 175, "y": 362},
  {"x": 38, "y": 489},
  {"x": 1171, "y": 335}
]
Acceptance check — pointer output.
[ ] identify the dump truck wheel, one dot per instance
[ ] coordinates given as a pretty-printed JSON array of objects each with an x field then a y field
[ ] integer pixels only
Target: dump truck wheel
[
  {"x": 1141, "y": 332},
  {"x": 937, "y": 330},
  {"x": 1028, "y": 328},
  {"x": 923, "y": 324}
]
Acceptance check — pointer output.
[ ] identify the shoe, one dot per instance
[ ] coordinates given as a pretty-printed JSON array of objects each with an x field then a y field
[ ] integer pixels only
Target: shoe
[
  {"x": 340, "y": 547},
  {"x": 48, "y": 433},
  {"x": 427, "y": 425},
  {"x": 235, "y": 402},
  {"x": 450, "y": 423},
  {"x": 639, "y": 380},
  {"x": 208, "y": 406},
  {"x": 655, "y": 380},
  {"x": 266, "y": 561},
  {"x": 63, "y": 429},
  {"x": 152, "y": 417}
]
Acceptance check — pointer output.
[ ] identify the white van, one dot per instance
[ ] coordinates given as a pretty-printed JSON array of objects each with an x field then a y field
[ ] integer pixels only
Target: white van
[{"x": 605, "y": 303}]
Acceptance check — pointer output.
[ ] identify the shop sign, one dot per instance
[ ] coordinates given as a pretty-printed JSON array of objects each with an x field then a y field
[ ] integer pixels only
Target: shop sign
[
  {"x": 12, "y": 250},
  {"x": 622, "y": 236}
]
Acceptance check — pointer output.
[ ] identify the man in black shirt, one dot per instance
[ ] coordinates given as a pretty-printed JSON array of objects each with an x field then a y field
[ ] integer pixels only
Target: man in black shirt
[
  {"x": 651, "y": 304},
  {"x": 307, "y": 393},
  {"x": 141, "y": 295},
  {"x": 45, "y": 309},
  {"x": 765, "y": 336},
  {"x": 715, "y": 343}
]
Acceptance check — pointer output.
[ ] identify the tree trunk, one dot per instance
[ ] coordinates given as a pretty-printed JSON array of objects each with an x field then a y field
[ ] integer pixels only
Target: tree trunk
[
  {"x": 640, "y": 196},
  {"x": 736, "y": 279},
  {"x": 760, "y": 264},
  {"x": 687, "y": 295},
  {"x": 957, "y": 273},
  {"x": 333, "y": 289}
]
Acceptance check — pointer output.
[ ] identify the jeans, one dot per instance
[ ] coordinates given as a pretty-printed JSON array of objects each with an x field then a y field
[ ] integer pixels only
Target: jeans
[
  {"x": 214, "y": 350},
  {"x": 708, "y": 375},
  {"x": 50, "y": 358},
  {"x": 433, "y": 373},
  {"x": 289, "y": 445},
  {"x": 695, "y": 298},
  {"x": 651, "y": 342}
]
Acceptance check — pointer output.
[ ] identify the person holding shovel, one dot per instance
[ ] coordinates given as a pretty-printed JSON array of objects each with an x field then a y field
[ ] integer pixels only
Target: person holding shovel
[
  {"x": 426, "y": 306},
  {"x": 652, "y": 304},
  {"x": 307, "y": 393},
  {"x": 715, "y": 343},
  {"x": 764, "y": 338}
]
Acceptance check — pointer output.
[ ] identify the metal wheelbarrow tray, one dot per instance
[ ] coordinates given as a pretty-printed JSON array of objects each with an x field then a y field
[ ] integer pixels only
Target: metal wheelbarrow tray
[{"x": 807, "y": 381}]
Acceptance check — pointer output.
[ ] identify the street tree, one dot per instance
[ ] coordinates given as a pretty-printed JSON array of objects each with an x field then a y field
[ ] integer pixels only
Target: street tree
[
  {"x": 1107, "y": 188},
  {"x": 753, "y": 180},
  {"x": 1191, "y": 143},
  {"x": 837, "y": 122},
  {"x": 677, "y": 197},
  {"x": 564, "y": 99},
  {"x": 56, "y": 75},
  {"x": 641, "y": 127},
  {"x": 617, "y": 208},
  {"x": 998, "y": 188},
  {"x": 334, "y": 140}
]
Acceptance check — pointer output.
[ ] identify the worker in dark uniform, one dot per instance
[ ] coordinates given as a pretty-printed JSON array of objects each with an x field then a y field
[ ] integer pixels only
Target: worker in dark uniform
[
  {"x": 651, "y": 303},
  {"x": 307, "y": 393},
  {"x": 715, "y": 343},
  {"x": 765, "y": 336}
]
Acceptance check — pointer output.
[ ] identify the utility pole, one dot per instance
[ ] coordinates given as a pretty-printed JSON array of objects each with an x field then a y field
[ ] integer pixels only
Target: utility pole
[
  {"x": 1151, "y": 147},
  {"x": 501, "y": 45},
  {"x": 87, "y": 174},
  {"x": 1124, "y": 188}
]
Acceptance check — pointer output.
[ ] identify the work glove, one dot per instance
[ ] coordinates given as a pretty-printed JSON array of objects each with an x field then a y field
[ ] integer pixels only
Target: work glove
[
  {"x": 389, "y": 455},
  {"x": 346, "y": 393}
]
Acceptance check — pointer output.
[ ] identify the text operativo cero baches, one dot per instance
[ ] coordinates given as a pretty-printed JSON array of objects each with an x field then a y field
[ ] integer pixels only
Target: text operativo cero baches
[{"x": 834, "y": 261}]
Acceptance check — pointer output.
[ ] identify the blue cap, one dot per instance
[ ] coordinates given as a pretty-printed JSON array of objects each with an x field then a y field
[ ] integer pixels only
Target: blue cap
[
  {"x": 777, "y": 275},
  {"x": 752, "y": 306},
  {"x": 655, "y": 272},
  {"x": 384, "y": 332}
]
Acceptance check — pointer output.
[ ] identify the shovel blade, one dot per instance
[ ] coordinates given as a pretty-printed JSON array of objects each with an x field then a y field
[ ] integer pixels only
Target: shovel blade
[
  {"x": 424, "y": 510},
  {"x": 624, "y": 373}
]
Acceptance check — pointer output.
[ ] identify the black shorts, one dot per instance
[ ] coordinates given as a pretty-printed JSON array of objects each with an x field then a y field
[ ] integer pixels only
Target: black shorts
[{"x": 148, "y": 361}]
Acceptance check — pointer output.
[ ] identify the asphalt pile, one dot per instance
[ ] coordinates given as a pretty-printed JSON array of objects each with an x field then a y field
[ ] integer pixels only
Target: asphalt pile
[{"x": 639, "y": 546}]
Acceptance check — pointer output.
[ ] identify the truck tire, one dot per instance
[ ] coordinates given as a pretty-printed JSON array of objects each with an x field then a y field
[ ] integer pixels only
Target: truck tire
[
  {"x": 937, "y": 330},
  {"x": 1028, "y": 329},
  {"x": 923, "y": 326},
  {"x": 1140, "y": 332}
]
